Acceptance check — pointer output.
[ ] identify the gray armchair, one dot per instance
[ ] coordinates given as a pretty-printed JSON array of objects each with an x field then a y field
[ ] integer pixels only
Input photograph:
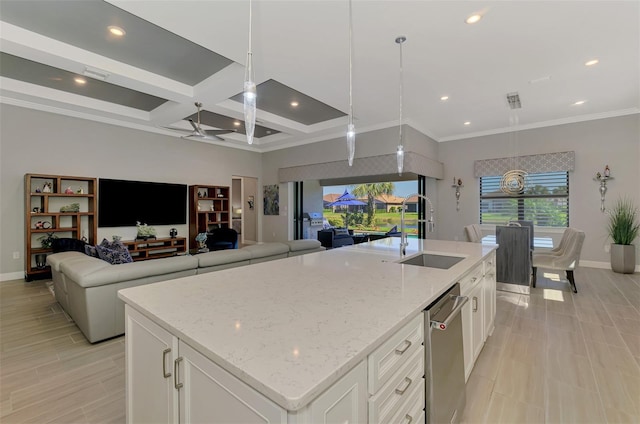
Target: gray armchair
[{"x": 565, "y": 257}]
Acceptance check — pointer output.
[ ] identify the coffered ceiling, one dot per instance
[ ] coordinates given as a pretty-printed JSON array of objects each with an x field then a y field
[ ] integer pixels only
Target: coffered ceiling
[{"x": 176, "y": 53}]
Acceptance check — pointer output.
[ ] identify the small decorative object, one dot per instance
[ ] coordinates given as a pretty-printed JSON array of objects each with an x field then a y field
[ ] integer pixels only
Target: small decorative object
[
  {"x": 68, "y": 191},
  {"x": 47, "y": 240},
  {"x": 116, "y": 238},
  {"x": 200, "y": 194},
  {"x": 36, "y": 210},
  {"x": 80, "y": 191},
  {"x": 39, "y": 225},
  {"x": 43, "y": 225},
  {"x": 602, "y": 179},
  {"x": 250, "y": 201},
  {"x": 41, "y": 261},
  {"x": 199, "y": 206},
  {"x": 623, "y": 229},
  {"x": 46, "y": 188},
  {"x": 173, "y": 233},
  {"x": 201, "y": 238},
  {"x": 38, "y": 190},
  {"x": 213, "y": 208},
  {"x": 73, "y": 207},
  {"x": 145, "y": 231},
  {"x": 457, "y": 184}
]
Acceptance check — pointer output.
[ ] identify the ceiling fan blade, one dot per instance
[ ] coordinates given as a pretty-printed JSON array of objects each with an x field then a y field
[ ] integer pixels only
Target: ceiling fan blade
[
  {"x": 195, "y": 127},
  {"x": 182, "y": 130},
  {"x": 204, "y": 137},
  {"x": 216, "y": 132}
]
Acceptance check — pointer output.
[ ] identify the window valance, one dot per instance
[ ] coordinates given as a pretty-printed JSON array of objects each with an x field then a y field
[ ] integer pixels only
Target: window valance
[{"x": 546, "y": 162}]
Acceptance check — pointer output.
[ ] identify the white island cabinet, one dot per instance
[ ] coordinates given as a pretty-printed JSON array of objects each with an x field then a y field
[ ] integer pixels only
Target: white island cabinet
[
  {"x": 335, "y": 336},
  {"x": 478, "y": 315}
]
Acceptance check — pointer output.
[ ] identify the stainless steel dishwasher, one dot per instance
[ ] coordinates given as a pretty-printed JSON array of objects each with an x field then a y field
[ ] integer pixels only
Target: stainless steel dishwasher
[{"x": 444, "y": 358}]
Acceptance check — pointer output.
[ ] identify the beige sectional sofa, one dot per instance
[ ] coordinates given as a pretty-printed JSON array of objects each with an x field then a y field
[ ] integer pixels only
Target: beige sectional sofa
[{"x": 87, "y": 287}]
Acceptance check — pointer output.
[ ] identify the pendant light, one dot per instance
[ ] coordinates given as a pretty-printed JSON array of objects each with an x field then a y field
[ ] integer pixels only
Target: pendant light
[
  {"x": 249, "y": 89},
  {"x": 351, "y": 130},
  {"x": 400, "y": 150}
]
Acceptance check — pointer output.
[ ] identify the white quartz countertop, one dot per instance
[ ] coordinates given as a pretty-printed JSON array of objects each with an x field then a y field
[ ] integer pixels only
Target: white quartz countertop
[{"x": 292, "y": 327}]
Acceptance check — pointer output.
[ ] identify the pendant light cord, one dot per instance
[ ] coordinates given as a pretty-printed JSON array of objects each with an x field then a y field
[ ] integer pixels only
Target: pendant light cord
[
  {"x": 350, "y": 65},
  {"x": 400, "y": 41},
  {"x": 250, "y": 23}
]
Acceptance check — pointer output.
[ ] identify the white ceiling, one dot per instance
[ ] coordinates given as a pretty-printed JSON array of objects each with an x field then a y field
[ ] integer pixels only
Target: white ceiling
[{"x": 535, "y": 48}]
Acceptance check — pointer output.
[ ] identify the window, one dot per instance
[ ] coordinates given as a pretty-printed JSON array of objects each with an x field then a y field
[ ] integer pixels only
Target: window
[{"x": 545, "y": 200}]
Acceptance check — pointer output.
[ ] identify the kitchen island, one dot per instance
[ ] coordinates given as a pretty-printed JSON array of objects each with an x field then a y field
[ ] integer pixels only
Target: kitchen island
[{"x": 279, "y": 337}]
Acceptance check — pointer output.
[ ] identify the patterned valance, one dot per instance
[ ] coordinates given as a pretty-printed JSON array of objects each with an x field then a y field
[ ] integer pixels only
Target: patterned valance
[{"x": 547, "y": 162}]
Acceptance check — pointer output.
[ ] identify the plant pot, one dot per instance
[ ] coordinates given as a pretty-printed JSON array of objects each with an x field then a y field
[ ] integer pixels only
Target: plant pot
[{"x": 623, "y": 258}]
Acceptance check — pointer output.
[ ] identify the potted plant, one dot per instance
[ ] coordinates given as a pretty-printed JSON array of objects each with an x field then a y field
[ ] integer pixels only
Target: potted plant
[
  {"x": 623, "y": 229},
  {"x": 145, "y": 231}
]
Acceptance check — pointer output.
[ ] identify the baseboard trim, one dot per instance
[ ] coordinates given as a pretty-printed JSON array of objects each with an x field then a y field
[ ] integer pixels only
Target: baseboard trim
[
  {"x": 12, "y": 276},
  {"x": 601, "y": 265}
]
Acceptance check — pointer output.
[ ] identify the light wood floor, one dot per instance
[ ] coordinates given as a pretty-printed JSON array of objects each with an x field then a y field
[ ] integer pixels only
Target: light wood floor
[{"x": 555, "y": 357}]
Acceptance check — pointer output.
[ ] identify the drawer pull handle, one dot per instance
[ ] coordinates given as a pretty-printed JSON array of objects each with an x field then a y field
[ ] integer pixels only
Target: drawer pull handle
[
  {"x": 164, "y": 363},
  {"x": 177, "y": 385},
  {"x": 407, "y": 380},
  {"x": 474, "y": 279},
  {"x": 407, "y": 345},
  {"x": 409, "y": 418},
  {"x": 475, "y": 304}
]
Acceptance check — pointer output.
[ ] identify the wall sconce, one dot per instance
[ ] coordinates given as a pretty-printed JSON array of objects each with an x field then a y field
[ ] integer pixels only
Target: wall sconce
[
  {"x": 457, "y": 184},
  {"x": 250, "y": 201},
  {"x": 603, "y": 178}
]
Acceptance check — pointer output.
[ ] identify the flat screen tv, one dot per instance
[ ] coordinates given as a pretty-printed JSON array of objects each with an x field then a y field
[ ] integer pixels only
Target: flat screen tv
[{"x": 122, "y": 203}]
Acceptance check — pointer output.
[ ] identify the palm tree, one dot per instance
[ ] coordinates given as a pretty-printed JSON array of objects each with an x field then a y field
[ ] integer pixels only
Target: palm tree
[{"x": 372, "y": 191}]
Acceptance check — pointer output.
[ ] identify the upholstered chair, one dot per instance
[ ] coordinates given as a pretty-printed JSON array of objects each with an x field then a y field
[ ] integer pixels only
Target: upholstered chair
[
  {"x": 473, "y": 233},
  {"x": 565, "y": 258}
]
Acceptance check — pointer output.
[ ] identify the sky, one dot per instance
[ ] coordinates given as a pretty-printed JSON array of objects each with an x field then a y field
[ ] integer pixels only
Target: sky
[{"x": 401, "y": 188}]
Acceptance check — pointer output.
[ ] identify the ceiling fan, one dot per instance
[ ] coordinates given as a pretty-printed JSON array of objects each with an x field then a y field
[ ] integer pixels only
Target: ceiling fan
[{"x": 198, "y": 132}]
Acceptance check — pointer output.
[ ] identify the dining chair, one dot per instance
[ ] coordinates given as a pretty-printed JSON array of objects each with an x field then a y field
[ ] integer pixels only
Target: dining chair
[
  {"x": 565, "y": 258},
  {"x": 473, "y": 233}
]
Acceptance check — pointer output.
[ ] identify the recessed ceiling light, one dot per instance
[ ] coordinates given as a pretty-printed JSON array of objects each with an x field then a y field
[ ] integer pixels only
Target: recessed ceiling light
[
  {"x": 579, "y": 102},
  {"x": 591, "y": 62},
  {"x": 268, "y": 131},
  {"x": 116, "y": 30},
  {"x": 444, "y": 98},
  {"x": 80, "y": 81},
  {"x": 473, "y": 18},
  {"x": 294, "y": 104},
  {"x": 467, "y": 123},
  {"x": 236, "y": 123}
]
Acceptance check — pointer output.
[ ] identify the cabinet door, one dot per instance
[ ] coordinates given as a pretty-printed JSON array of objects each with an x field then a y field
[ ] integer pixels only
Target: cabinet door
[
  {"x": 477, "y": 324},
  {"x": 150, "y": 352},
  {"x": 489, "y": 293},
  {"x": 345, "y": 401},
  {"x": 209, "y": 394},
  {"x": 467, "y": 338}
]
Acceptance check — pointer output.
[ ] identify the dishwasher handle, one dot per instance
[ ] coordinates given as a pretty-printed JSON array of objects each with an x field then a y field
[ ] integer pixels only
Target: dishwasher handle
[{"x": 459, "y": 302}]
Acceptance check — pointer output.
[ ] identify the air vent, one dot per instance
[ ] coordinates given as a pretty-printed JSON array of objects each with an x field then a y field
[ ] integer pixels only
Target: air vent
[{"x": 514, "y": 100}]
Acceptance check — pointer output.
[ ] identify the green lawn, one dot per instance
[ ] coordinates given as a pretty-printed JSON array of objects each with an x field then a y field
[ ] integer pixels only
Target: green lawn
[{"x": 384, "y": 221}]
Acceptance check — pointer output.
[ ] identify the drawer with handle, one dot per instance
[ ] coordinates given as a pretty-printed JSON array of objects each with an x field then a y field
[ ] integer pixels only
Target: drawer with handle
[
  {"x": 392, "y": 354},
  {"x": 413, "y": 408},
  {"x": 409, "y": 378}
]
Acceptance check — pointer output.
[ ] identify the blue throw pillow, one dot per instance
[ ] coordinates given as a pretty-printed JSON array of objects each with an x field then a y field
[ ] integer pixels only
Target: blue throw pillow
[
  {"x": 114, "y": 256},
  {"x": 91, "y": 251}
]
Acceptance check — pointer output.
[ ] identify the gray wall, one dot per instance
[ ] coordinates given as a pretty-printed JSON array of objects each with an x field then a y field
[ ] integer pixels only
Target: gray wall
[
  {"x": 40, "y": 142},
  {"x": 612, "y": 141}
]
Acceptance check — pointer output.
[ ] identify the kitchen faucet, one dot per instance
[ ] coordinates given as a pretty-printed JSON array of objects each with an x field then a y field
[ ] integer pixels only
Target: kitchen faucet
[{"x": 431, "y": 225}]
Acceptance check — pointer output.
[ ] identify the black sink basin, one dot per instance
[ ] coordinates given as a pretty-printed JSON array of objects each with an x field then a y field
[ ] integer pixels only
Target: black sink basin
[{"x": 431, "y": 260}]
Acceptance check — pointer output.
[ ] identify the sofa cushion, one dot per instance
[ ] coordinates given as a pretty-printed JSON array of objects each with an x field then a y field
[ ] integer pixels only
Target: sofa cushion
[
  {"x": 91, "y": 251},
  {"x": 93, "y": 275},
  {"x": 296, "y": 245},
  {"x": 114, "y": 256},
  {"x": 266, "y": 249},
  {"x": 222, "y": 257},
  {"x": 57, "y": 258},
  {"x": 340, "y": 232}
]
